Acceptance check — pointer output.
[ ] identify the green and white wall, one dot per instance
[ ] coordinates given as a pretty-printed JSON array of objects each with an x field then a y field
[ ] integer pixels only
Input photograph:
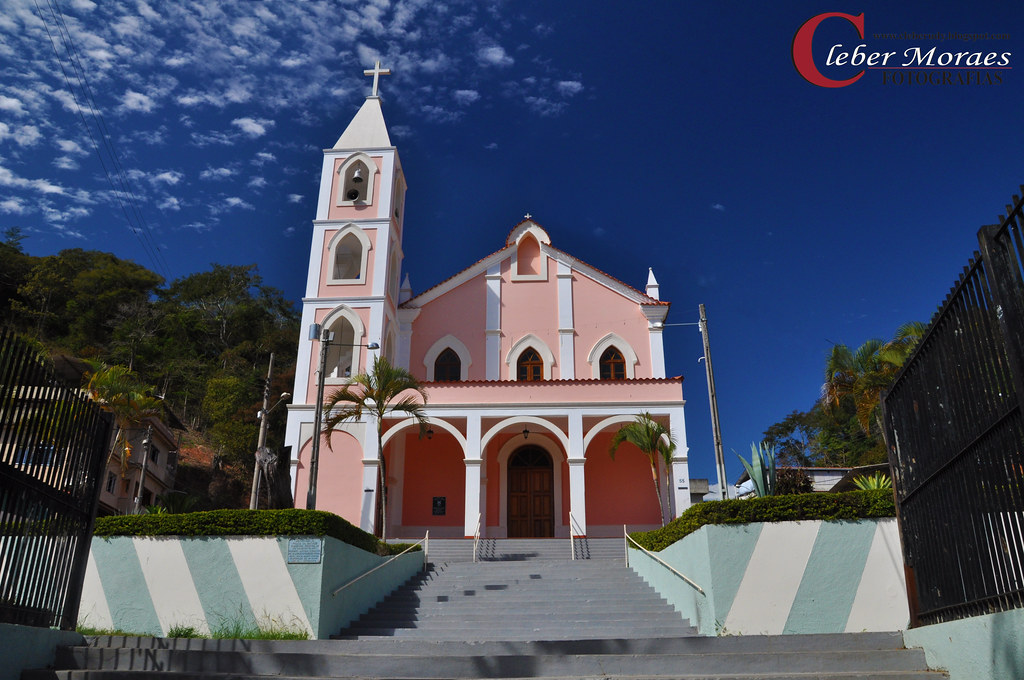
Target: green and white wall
[
  {"x": 785, "y": 577},
  {"x": 148, "y": 585}
]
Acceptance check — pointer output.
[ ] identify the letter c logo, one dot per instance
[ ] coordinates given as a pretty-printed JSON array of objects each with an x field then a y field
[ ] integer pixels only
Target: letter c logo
[{"x": 803, "y": 59}]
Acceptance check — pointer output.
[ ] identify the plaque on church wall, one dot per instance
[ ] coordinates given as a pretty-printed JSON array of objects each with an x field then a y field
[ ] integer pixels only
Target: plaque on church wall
[
  {"x": 304, "y": 550},
  {"x": 439, "y": 504}
]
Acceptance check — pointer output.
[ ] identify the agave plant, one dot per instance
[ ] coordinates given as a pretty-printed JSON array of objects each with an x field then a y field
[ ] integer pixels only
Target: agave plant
[
  {"x": 761, "y": 468},
  {"x": 878, "y": 480}
]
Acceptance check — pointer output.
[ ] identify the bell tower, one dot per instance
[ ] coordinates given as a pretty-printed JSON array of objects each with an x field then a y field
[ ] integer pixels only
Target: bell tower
[{"x": 352, "y": 284}]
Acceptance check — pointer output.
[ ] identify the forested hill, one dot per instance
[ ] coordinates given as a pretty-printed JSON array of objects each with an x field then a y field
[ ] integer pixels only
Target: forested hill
[{"x": 203, "y": 341}]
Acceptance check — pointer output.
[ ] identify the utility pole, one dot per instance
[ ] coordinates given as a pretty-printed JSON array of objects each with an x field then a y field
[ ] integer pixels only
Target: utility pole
[
  {"x": 713, "y": 399},
  {"x": 254, "y": 496},
  {"x": 145, "y": 458}
]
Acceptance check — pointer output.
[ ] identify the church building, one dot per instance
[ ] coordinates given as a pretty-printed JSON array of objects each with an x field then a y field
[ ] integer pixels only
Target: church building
[{"x": 530, "y": 358}]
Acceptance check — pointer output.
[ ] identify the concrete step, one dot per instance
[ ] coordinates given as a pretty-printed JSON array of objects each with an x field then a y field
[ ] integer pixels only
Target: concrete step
[
  {"x": 489, "y": 666},
  {"x": 751, "y": 644},
  {"x": 525, "y": 549}
]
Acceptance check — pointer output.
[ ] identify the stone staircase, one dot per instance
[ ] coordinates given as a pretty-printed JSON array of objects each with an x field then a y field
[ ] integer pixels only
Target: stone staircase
[
  {"x": 524, "y": 612},
  {"x": 446, "y": 550}
]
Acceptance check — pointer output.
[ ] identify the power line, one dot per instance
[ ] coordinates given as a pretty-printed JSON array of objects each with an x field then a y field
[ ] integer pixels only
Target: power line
[{"x": 124, "y": 195}]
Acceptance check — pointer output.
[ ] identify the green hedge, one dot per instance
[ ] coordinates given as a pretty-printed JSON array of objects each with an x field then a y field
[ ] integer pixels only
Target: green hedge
[
  {"x": 243, "y": 523},
  {"x": 807, "y": 506}
]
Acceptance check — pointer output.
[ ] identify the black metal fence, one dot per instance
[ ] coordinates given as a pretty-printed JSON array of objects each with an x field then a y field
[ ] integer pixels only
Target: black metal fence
[
  {"x": 956, "y": 440},
  {"x": 53, "y": 445}
]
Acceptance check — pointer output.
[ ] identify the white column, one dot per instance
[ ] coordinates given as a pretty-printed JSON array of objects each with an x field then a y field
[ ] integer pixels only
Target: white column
[
  {"x": 367, "y": 515},
  {"x": 680, "y": 473},
  {"x": 566, "y": 332},
  {"x": 577, "y": 480},
  {"x": 474, "y": 464},
  {"x": 371, "y": 463},
  {"x": 493, "y": 330},
  {"x": 657, "y": 351},
  {"x": 472, "y": 495}
]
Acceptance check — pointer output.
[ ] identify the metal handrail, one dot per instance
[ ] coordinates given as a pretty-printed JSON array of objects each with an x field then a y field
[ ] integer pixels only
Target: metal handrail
[
  {"x": 629, "y": 539},
  {"x": 476, "y": 535},
  {"x": 573, "y": 524},
  {"x": 423, "y": 540}
]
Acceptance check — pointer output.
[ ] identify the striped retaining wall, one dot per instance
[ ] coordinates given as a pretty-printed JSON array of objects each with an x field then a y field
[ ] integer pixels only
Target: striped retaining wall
[
  {"x": 786, "y": 577},
  {"x": 148, "y": 585}
]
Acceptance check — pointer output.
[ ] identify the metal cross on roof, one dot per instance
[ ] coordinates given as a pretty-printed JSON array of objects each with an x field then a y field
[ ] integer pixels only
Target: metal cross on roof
[
  {"x": 376, "y": 72},
  {"x": 527, "y": 215}
]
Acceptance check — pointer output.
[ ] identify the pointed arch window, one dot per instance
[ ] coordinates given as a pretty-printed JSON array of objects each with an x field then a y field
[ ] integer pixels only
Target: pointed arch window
[
  {"x": 530, "y": 367},
  {"x": 355, "y": 180},
  {"x": 348, "y": 254},
  {"x": 447, "y": 366},
  {"x": 613, "y": 365}
]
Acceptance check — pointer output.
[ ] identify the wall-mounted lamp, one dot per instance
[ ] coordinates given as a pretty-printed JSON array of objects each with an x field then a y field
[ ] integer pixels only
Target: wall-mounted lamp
[
  {"x": 526, "y": 433},
  {"x": 430, "y": 433}
]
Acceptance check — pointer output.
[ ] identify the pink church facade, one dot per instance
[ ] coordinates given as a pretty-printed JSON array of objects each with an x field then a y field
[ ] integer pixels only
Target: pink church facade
[{"x": 531, "y": 360}]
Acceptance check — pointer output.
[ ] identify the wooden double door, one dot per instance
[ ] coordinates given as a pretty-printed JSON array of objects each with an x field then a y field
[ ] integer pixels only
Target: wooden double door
[{"x": 531, "y": 496}]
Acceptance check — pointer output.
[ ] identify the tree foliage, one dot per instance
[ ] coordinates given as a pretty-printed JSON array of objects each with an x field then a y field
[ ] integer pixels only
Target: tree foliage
[
  {"x": 843, "y": 428},
  {"x": 654, "y": 441},
  {"x": 383, "y": 390},
  {"x": 202, "y": 340}
]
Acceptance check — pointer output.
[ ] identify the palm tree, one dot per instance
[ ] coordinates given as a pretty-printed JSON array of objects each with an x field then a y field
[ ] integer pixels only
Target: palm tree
[
  {"x": 862, "y": 375},
  {"x": 654, "y": 440},
  {"x": 119, "y": 391},
  {"x": 384, "y": 390}
]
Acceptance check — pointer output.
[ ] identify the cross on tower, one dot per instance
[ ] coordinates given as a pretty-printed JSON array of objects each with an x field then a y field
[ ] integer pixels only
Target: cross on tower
[{"x": 376, "y": 72}]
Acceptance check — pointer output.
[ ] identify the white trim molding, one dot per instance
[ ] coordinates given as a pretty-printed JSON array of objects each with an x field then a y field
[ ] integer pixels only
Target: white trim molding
[
  {"x": 612, "y": 340},
  {"x": 371, "y": 171},
  {"x": 364, "y": 241},
  {"x": 457, "y": 346},
  {"x": 529, "y": 340}
]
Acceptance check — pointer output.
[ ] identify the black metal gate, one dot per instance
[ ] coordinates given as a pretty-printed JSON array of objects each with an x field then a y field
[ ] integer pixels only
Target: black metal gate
[
  {"x": 53, "y": 446},
  {"x": 955, "y": 434}
]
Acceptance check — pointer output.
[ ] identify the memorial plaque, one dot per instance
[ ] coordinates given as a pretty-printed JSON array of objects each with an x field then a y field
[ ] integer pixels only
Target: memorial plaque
[
  {"x": 439, "y": 504},
  {"x": 304, "y": 550}
]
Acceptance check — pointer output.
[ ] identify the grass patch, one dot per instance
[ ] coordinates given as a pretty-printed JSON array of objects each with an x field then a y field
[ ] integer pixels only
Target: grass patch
[
  {"x": 236, "y": 630},
  {"x": 92, "y": 630},
  {"x": 183, "y": 632}
]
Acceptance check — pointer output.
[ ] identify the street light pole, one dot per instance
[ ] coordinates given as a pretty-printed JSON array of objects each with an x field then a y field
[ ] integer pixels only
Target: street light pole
[
  {"x": 314, "y": 458},
  {"x": 325, "y": 336}
]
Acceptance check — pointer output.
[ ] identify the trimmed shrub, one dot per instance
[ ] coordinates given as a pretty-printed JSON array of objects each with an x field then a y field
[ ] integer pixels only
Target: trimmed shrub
[
  {"x": 810, "y": 506},
  {"x": 290, "y": 522}
]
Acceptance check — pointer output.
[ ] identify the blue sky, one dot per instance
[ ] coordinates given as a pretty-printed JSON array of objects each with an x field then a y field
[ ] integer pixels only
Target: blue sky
[{"x": 671, "y": 135}]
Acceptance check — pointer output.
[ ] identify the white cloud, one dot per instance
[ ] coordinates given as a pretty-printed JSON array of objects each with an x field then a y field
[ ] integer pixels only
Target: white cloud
[
  {"x": 177, "y": 60},
  {"x": 13, "y": 206},
  {"x": 72, "y": 147},
  {"x": 569, "y": 88},
  {"x": 258, "y": 182},
  {"x": 216, "y": 173},
  {"x": 254, "y": 127},
  {"x": 169, "y": 203},
  {"x": 491, "y": 146},
  {"x": 294, "y": 198},
  {"x": 168, "y": 177},
  {"x": 236, "y": 202},
  {"x": 137, "y": 101},
  {"x": 263, "y": 157},
  {"x": 494, "y": 55},
  {"x": 718, "y": 206},
  {"x": 544, "y": 106},
  {"x": 12, "y": 105},
  {"x": 465, "y": 97},
  {"x": 9, "y": 179},
  {"x": 26, "y": 135},
  {"x": 65, "y": 163}
]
